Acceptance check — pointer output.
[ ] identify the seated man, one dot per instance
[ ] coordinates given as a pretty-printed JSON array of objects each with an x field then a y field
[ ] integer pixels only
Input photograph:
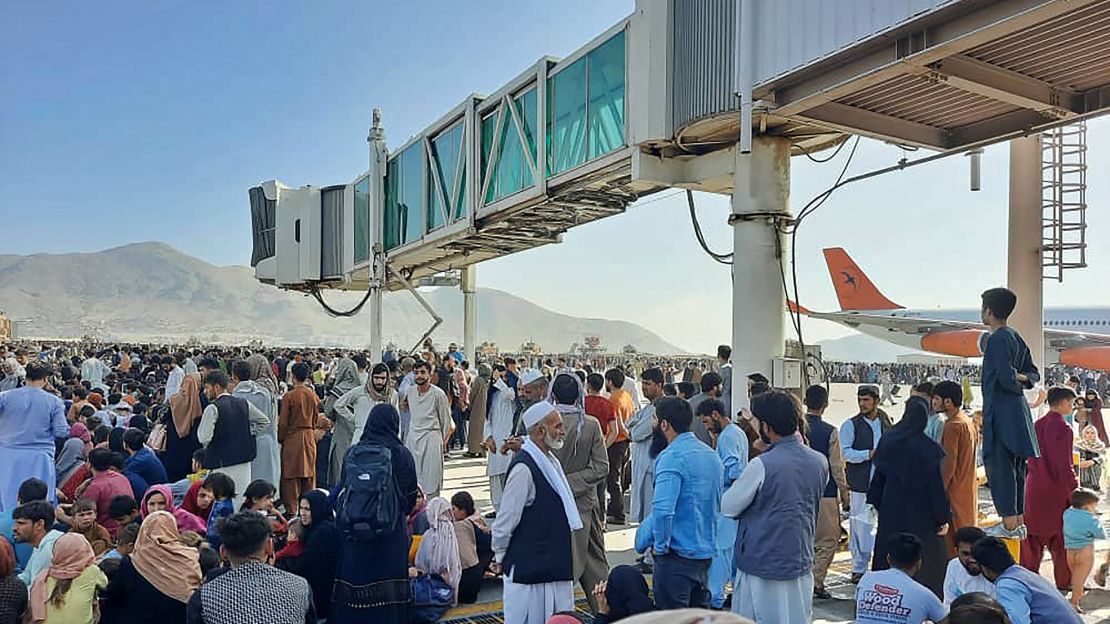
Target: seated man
[
  {"x": 1027, "y": 596},
  {"x": 964, "y": 574},
  {"x": 886, "y": 594}
]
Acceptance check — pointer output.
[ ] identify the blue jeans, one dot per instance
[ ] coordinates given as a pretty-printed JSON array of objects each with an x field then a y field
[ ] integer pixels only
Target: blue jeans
[{"x": 680, "y": 583}]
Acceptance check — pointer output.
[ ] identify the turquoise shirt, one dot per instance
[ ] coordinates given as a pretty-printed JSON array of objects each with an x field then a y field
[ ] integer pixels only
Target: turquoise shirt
[{"x": 1081, "y": 528}]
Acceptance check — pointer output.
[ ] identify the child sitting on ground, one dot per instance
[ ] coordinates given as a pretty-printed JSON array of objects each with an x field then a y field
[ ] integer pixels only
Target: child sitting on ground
[
  {"x": 1091, "y": 453},
  {"x": 1081, "y": 529},
  {"x": 294, "y": 547},
  {"x": 223, "y": 490},
  {"x": 84, "y": 522}
]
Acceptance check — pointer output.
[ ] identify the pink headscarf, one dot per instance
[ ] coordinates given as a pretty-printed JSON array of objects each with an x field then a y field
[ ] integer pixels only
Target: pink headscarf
[
  {"x": 439, "y": 549},
  {"x": 80, "y": 431},
  {"x": 72, "y": 555},
  {"x": 186, "y": 521}
]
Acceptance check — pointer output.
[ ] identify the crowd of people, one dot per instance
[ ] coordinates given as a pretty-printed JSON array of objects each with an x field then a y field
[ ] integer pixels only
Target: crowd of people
[{"x": 150, "y": 484}]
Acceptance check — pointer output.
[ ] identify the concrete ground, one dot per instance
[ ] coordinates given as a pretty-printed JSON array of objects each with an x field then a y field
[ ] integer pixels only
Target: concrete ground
[{"x": 469, "y": 474}]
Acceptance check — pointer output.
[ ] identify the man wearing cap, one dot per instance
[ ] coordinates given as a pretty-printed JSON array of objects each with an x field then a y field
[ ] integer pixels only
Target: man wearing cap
[
  {"x": 859, "y": 437},
  {"x": 532, "y": 536}
]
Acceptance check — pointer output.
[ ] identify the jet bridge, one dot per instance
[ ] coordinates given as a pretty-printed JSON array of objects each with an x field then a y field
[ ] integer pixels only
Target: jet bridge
[{"x": 714, "y": 95}]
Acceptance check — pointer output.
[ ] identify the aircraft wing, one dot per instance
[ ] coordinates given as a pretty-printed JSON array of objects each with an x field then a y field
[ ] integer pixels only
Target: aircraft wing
[
  {"x": 1061, "y": 339},
  {"x": 915, "y": 326}
]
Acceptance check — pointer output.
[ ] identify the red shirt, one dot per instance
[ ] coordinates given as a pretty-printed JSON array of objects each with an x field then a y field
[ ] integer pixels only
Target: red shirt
[
  {"x": 600, "y": 408},
  {"x": 104, "y": 487},
  {"x": 1051, "y": 478}
]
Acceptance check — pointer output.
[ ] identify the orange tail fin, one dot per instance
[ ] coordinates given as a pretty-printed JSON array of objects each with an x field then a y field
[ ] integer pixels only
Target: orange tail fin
[{"x": 854, "y": 289}]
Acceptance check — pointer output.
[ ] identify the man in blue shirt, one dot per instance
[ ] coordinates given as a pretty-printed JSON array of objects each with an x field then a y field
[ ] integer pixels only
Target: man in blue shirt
[
  {"x": 732, "y": 449},
  {"x": 142, "y": 463},
  {"x": 30, "y": 420},
  {"x": 1009, "y": 439},
  {"x": 687, "y": 478},
  {"x": 1027, "y": 596}
]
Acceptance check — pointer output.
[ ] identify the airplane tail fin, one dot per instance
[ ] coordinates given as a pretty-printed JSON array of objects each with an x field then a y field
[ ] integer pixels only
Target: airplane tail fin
[{"x": 854, "y": 289}]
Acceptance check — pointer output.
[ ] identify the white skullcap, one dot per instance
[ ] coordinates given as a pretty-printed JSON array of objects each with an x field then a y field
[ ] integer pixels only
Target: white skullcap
[
  {"x": 529, "y": 376},
  {"x": 533, "y": 415}
]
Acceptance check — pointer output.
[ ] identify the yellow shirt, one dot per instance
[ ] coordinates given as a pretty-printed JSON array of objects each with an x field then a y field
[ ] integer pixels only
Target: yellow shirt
[{"x": 78, "y": 605}]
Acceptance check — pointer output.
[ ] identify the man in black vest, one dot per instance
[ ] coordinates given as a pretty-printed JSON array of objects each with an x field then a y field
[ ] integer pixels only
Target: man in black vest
[
  {"x": 859, "y": 436},
  {"x": 825, "y": 439},
  {"x": 532, "y": 534},
  {"x": 227, "y": 431}
]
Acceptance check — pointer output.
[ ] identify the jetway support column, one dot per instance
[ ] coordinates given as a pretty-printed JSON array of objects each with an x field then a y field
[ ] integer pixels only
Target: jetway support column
[
  {"x": 470, "y": 313},
  {"x": 760, "y": 198},
  {"x": 1024, "y": 268},
  {"x": 378, "y": 162}
]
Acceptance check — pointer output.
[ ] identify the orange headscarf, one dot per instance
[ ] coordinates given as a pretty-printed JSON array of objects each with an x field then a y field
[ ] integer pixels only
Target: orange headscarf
[
  {"x": 170, "y": 566},
  {"x": 72, "y": 555},
  {"x": 185, "y": 405}
]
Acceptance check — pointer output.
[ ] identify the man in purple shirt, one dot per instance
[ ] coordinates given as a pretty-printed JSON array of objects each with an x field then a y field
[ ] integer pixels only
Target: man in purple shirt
[{"x": 30, "y": 419}]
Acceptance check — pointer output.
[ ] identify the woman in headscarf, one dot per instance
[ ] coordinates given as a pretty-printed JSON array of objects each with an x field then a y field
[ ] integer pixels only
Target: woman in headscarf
[
  {"x": 908, "y": 491},
  {"x": 160, "y": 498},
  {"x": 353, "y": 409},
  {"x": 73, "y": 452},
  {"x": 255, "y": 383},
  {"x": 1092, "y": 452},
  {"x": 346, "y": 379},
  {"x": 372, "y": 583},
  {"x": 181, "y": 434},
  {"x": 438, "y": 554},
  {"x": 197, "y": 501},
  {"x": 625, "y": 594},
  {"x": 153, "y": 583},
  {"x": 13, "y": 593},
  {"x": 66, "y": 590},
  {"x": 1094, "y": 413},
  {"x": 320, "y": 555}
]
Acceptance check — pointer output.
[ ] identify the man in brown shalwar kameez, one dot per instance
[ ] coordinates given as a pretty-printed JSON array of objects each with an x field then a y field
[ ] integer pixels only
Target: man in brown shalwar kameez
[
  {"x": 958, "y": 465},
  {"x": 479, "y": 403},
  {"x": 297, "y": 423}
]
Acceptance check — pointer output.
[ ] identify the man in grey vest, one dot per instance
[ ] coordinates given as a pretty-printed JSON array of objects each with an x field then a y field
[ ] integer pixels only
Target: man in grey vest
[
  {"x": 776, "y": 498},
  {"x": 859, "y": 437}
]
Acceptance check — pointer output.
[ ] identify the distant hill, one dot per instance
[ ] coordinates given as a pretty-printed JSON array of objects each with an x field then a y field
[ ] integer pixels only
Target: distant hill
[{"x": 152, "y": 292}]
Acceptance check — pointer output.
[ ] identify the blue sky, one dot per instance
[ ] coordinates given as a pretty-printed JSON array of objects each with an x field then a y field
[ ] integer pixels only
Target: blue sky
[{"x": 135, "y": 121}]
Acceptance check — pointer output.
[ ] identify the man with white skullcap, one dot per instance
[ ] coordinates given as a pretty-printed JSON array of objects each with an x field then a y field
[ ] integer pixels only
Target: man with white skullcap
[{"x": 532, "y": 533}]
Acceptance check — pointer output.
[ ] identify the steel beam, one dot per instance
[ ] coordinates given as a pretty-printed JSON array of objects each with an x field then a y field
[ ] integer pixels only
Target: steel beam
[
  {"x": 1016, "y": 121},
  {"x": 1003, "y": 85},
  {"x": 860, "y": 121}
]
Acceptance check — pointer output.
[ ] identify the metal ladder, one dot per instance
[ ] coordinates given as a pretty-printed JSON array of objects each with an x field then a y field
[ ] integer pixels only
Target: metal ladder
[{"x": 1064, "y": 199}]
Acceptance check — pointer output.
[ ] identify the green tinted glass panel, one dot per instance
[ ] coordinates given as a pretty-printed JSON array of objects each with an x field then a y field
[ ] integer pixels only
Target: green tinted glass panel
[
  {"x": 489, "y": 126},
  {"x": 447, "y": 152},
  {"x": 392, "y": 222},
  {"x": 566, "y": 118},
  {"x": 512, "y": 171},
  {"x": 362, "y": 220},
  {"x": 411, "y": 191},
  {"x": 606, "y": 88},
  {"x": 526, "y": 110}
]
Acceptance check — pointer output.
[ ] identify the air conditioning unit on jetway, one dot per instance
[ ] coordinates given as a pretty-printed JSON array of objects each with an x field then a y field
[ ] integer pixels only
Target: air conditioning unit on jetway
[{"x": 302, "y": 236}]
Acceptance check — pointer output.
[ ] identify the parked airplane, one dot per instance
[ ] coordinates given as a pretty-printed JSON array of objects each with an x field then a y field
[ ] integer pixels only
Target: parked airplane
[{"x": 1073, "y": 336}]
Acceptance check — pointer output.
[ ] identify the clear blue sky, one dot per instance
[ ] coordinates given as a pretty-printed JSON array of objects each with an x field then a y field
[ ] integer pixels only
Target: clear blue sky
[{"x": 135, "y": 121}]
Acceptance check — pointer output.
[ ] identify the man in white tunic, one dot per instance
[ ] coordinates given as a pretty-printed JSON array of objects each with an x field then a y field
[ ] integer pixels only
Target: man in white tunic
[
  {"x": 532, "y": 534},
  {"x": 776, "y": 498},
  {"x": 497, "y": 429},
  {"x": 430, "y": 425},
  {"x": 352, "y": 411}
]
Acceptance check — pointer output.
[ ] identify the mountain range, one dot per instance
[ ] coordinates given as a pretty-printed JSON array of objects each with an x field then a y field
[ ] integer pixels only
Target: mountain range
[{"x": 150, "y": 292}]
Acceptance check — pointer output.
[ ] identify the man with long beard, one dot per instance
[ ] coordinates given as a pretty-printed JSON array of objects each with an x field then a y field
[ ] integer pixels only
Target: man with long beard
[
  {"x": 538, "y": 515},
  {"x": 687, "y": 478}
]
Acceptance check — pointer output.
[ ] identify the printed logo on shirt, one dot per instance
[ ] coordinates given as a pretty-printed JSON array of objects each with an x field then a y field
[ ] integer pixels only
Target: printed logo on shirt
[{"x": 882, "y": 603}]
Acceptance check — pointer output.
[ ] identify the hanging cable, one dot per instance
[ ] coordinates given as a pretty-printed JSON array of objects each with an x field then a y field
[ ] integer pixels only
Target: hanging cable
[
  {"x": 826, "y": 159},
  {"x": 722, "y": 258},
  {"x": 314, "y": 290}
]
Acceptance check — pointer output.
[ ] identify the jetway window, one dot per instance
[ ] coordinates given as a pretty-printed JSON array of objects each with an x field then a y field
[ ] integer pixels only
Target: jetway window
[
  {"x": 446, "y": 195},
  {"x": 512, "y": 165},
  {"x": 585, "y": 114},
  {"x": 362, "y": 220},
  {"x": 404, "y": 197}
]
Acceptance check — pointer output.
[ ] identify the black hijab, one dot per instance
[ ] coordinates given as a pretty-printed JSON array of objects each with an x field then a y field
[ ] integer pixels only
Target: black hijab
[
  {"x": 383, "y": 426},
  {"x": 322, "y": 545},
  {"x": 321, "y": 510},
  {"x": 627, "y": 593},
  {"x": 905, "y": 453}
]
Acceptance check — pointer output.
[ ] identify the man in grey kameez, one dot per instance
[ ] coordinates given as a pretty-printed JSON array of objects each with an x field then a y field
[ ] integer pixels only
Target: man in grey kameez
[
  {"x": 640, "y": 430},
  {"x": 586, "y": 464}
]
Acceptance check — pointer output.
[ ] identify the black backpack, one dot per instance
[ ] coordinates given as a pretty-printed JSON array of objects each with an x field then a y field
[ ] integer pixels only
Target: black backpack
[{"x": 367, "y": 506}]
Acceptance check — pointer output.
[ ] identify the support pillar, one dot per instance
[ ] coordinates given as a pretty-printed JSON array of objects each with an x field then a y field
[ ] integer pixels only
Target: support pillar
[
  {"x": 760, "y": 196},
  {"x": 377, "y": 268},
  {"x": 469, "y": 285},
  {"x": 1024, "y": 269}
]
